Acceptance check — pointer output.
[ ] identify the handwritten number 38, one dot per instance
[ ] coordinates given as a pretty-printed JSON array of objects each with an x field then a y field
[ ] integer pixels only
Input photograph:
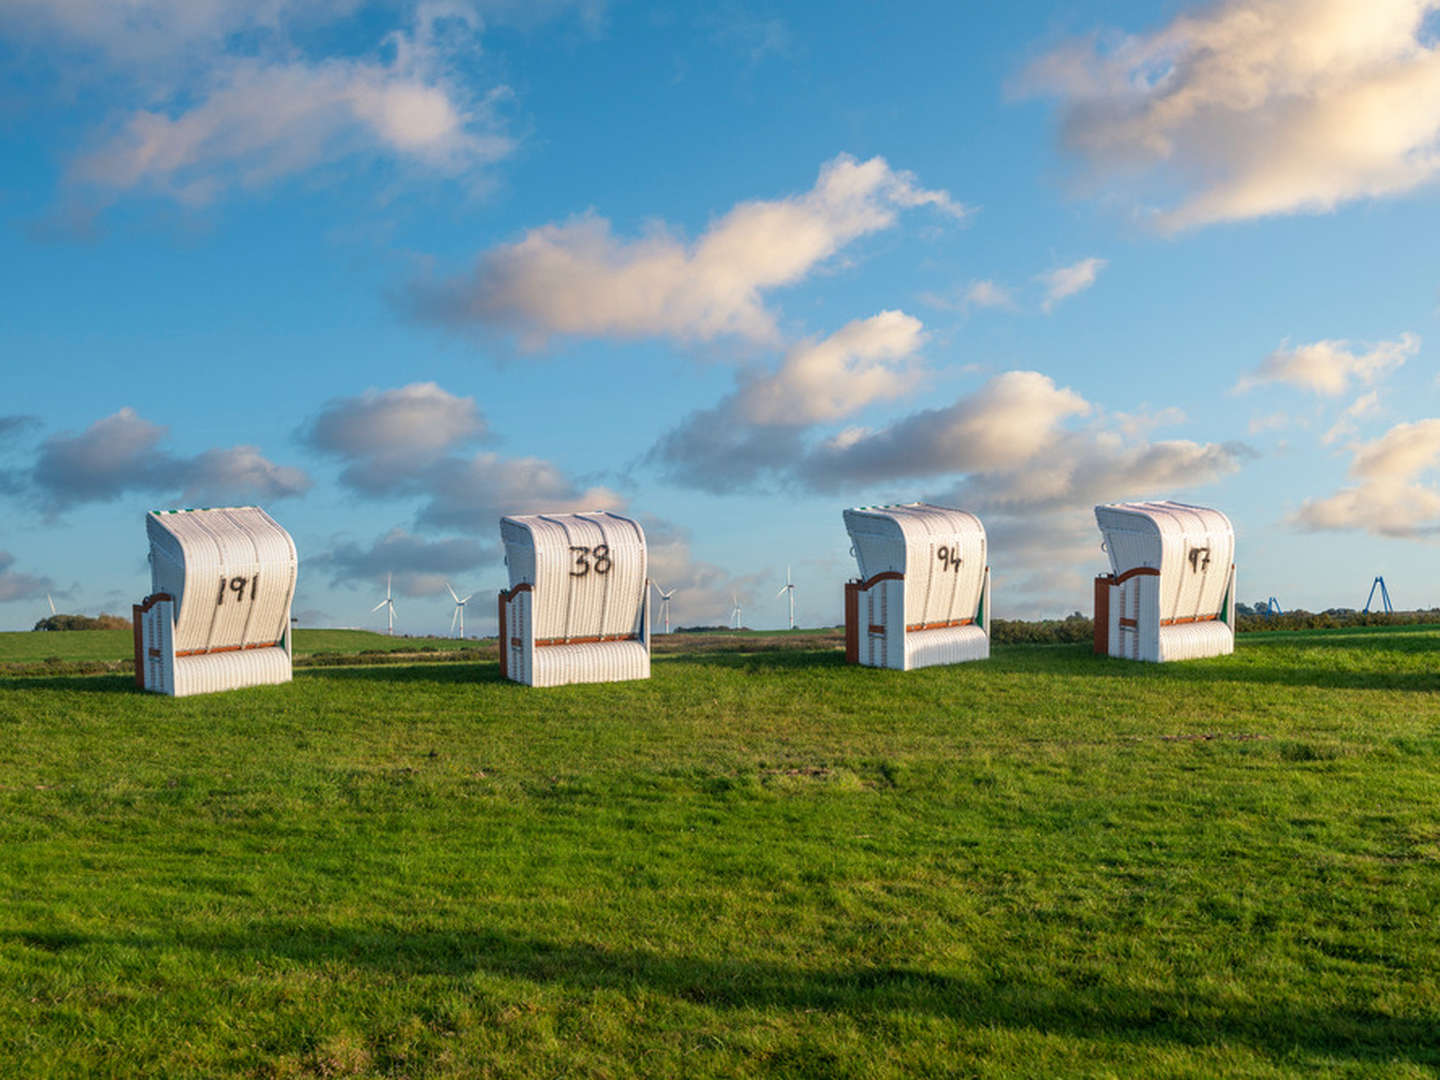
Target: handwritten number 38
[{"x": 583, "y": 565}]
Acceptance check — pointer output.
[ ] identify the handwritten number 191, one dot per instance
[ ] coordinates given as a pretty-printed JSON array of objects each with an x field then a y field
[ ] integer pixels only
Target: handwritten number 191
[{"x": 238, "y": 585}]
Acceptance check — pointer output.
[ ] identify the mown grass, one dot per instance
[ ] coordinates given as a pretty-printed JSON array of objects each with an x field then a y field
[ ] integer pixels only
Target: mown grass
[
  {"x": 752, "y": 864},
  {"x": 28, "y": 646}
]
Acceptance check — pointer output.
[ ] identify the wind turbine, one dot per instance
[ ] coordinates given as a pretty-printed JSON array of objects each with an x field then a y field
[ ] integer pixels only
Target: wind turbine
[
  {"x": 790, "y": 588},
  {"x": 664, "y": 603},
  {"x": 735, "y": 610},
  {"x": 388, "y": 603},
  {"x": 459, "y": 611},
  {"x": 52, "y": 603}
]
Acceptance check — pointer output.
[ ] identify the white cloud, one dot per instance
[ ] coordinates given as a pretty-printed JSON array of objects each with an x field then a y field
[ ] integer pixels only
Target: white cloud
[
  {"x": 1257, "y": 107},
  {"x": 230, "y": 475},
  {"x": 259, "y": 121},
  {"x": 1068, "y": 280},
  {"x": 830, "y": 378},
  {"x": 122, "y": 453},
  {"x": 1013, "y": 417},
  {"x": 403, "y": 443},
  {"x": 1366, "y": 405},
  {"x": 387, "y": 435},
  {"x": 760, "y": 427},
  {"x": 1391, "y": 497},
  {"x": 473, "y": 493},
  {"x": 1329, "y": 367},
  {"x": 578, "y": 278},
  {"x": 216, "y": 95},
  {"x": 987, "y": 294}
]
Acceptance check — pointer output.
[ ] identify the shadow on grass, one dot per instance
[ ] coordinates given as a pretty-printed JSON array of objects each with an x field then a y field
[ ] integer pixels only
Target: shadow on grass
[
  {"x": 1187, "y": 1018},
  {"x": 778, "y": 660},
  {"x": 455, "y": 673},
  {"x": 1312, "y": 667},
  {"x": 72, "y": 684}
]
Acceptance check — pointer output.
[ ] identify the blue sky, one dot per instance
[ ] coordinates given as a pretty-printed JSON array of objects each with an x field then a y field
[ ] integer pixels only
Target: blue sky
[{"x": 391, "y": 270}]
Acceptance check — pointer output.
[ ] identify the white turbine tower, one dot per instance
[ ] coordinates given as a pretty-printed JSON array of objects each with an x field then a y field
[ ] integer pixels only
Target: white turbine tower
[
  {"x": 790, "y": 588},
  {"x": 389, "y": 604},
  {"x": 735, "y": 610},
  {"x": 664, "y": 603},
  {"x": 459, "y": 611}
]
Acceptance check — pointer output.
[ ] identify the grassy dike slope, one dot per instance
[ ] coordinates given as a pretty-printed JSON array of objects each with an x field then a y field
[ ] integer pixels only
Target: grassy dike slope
[
  {"x": 28, "y": 646},
  {"x": 752, "y": 864}
]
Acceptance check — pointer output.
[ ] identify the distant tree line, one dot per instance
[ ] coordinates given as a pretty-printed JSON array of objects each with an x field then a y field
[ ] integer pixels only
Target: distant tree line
[
  {"x": 1076, "y": 628},
  {"x": 1254, "y": 619},
  {"x": 1072, "y": 629},
  {"x": 83, "y": 622}
]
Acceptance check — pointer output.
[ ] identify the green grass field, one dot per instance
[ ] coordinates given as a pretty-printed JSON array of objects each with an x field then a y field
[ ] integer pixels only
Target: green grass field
[
  {"x": 28, "y": 646},
  {"x": 759, "y": 863}
]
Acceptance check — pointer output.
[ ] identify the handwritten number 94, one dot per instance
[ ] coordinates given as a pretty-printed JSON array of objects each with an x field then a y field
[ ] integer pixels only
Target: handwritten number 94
[
  {"x": 583, "y": 555},
  {"x": 949, "y": 558}
]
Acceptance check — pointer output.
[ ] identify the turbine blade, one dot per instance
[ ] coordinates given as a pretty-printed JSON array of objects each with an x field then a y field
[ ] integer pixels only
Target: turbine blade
[
  {"x": 452, "y": 593},
  {"x": 381, "y": 604},
  {"x": 466, "y": 600}
]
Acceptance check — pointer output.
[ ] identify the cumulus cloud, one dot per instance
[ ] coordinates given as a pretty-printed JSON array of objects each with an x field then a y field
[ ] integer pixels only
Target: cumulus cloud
[
  {"x": 1066, "y": 281},
  {"x": 122, "y": 453},
  {"x": 1391, "y": 496},
  {"x": 1086, "y": 467},
  {"x": 1012, "y": 417},
  {"x": 475, "y": 492},
  {"x": 1258, "y": 107},
  {"x": 218, "y": 95},
  {"x": 1330, "y": 367},
  {"x": 385, "y": 435},
  {"x": 405, "y": 442},
  {"x": 579, "y": 278},
  {"x": 230, "y": 475},
  {"x": 15, "y": 585},
  {"x": 420, "y": 566},
  {"x": 827, "y": 379},
  {"x": 761, "y": 425}
]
